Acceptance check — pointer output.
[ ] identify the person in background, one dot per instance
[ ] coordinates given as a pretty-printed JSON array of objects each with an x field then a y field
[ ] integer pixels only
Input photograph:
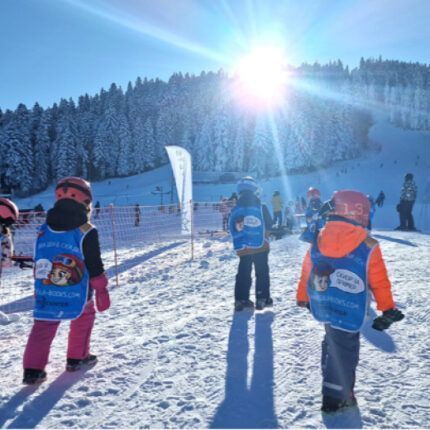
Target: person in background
[
  {"x": 9, "y": 214},
  {"x": 224, "y": 209},
  {"x": 408, "y": 195},
  {"x": 298, "y": 206},
  {"x": 372, "y": 210},
  {"x": 97, "y": 209},
  {"x": 250, "y": 223},
  {"x": 380, "y": 199},
  {"x": 303, "y": 204},
  {"x": 314, "y": 222},
  {"x": 289, "y": 216},
  {"x": 137, "y": 215},
  {"x": 233, "y": 200},
  {"x": 277, "y": 205},
  {"x": 341, "y": 268},
  {"x": 67, "y": 259}
]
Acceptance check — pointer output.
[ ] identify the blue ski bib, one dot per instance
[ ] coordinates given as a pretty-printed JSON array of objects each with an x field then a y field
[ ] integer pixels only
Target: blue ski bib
[
  {"x": 61, "y": 277},
  {"x": 338, "y": 288},
  {"x": 247, "y": 227}
]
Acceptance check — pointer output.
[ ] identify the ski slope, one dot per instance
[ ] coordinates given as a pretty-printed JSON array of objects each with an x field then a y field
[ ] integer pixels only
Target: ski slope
[
  {"x": 394, "y": 152},
  {"x": 174, "y": 355}
]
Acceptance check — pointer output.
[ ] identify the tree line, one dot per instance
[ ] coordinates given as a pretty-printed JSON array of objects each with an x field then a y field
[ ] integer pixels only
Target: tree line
[{"x": 326, "y": 117}]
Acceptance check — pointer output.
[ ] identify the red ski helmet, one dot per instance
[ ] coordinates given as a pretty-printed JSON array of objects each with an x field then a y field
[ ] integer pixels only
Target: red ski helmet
[
  {"x": 352, "y": 205},
  {"x": 313, "y": 193},
  {"x": 74, "y": 188},
  {"x": 8, "y": 211}
]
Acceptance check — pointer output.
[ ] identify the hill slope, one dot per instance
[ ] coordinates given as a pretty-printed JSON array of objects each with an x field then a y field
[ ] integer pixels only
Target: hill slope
[{"x": 401, "y": 151}]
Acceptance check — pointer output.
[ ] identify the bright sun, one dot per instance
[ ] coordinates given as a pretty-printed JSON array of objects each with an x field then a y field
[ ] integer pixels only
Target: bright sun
[{"x": 262, "y": 75}]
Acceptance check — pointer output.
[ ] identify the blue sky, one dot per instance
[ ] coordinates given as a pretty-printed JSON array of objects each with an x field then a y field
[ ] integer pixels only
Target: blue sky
[{"x": 64, "y": 48}]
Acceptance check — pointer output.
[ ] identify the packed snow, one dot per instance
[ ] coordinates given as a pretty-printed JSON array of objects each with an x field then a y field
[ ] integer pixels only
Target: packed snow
[{"x": 173, "y": 354}]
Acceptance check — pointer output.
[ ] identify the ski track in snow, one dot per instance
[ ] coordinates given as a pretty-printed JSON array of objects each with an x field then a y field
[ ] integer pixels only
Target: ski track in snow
[{"x": 172, "y": 354}]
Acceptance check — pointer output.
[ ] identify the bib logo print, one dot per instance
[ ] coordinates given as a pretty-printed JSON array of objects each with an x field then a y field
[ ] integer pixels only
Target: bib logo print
[
  {"x": 347, "y": 281},
  {"x": 321, "y": 277},
  {"x": 252, "y": 221},
  {"x": 66, "y": 270}
]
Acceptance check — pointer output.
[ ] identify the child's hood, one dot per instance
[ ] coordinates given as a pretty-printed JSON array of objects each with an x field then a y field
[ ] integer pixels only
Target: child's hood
[
  {"x": 66, "y": 215},
  {"x": 339, "y": 238}
]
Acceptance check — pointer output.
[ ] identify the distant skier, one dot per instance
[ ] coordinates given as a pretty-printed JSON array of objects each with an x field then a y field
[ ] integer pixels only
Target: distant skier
[
  {"x": 232, "y": 200},
  {"x": 68, "y": 269},
  {"x": 372, "y": 210},
  {"x": 97, "y": 209},
  {"x": 380, "y": 199},
  {"x": 8, "y": 215},
  {"x": 224, "y": 209},
  {"x": 137, "y": 215},
  {"x": 249, "y": 225},
  {"x": 408, "y": 195},
  {"x": 339, "y": 271},
  {"x": 277, "y": 205},
  {"x": 314, "y": 221}
]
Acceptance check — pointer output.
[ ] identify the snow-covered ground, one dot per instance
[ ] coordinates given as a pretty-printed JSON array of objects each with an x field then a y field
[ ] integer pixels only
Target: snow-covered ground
[{"x": 174, "y": 355}]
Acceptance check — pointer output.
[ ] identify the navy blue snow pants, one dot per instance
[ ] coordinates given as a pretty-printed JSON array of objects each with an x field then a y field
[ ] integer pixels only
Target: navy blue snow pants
[
  {"x": 244, "y": 280},
  {"x": 277, "y": 218},
  {"x": 340, "y": 353}
]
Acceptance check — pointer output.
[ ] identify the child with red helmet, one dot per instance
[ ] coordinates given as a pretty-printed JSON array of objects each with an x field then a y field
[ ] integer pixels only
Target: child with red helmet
[
  {"x": 341, "y": 269},
  {"x": 8, "y": 215},
  {"x": 68, "y": 270}
]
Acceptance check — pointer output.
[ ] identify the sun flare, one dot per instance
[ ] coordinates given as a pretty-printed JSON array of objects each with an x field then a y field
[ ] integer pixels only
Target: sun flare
[{"x": 262, "y": 74}]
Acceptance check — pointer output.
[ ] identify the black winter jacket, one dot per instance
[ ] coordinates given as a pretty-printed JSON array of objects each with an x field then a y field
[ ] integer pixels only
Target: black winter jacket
[{"x": 68, "y": 215}]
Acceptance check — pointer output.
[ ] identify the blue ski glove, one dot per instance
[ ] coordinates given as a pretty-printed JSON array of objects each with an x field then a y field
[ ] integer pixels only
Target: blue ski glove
[{"x": 386, "y": 319}]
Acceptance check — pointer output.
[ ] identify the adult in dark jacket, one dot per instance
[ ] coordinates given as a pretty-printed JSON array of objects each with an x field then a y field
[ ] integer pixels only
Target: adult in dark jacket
[
  {"x": 250, "y": 223},
  {"x": 408, "y": 195},
  {"x": 380, "y": 199}
]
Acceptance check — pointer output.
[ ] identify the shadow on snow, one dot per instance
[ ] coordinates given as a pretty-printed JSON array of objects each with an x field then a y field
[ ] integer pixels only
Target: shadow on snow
[
  {"x": 35, "y": 411},
  {"x": 253, "y": 406}
]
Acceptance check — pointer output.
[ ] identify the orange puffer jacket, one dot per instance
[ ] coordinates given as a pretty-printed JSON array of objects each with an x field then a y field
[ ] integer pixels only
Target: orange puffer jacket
[{"x": 338, "y": 239}]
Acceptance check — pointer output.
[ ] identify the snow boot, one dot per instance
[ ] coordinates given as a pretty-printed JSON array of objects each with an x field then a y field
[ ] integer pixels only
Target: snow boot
[
  {"x": 331, "y": 405},
  {"x": 240, "y": 305},
  {"x": 33, "y": 376},
  {"x": 74, "y": 364},
  {"x": 263, "y": 303}
]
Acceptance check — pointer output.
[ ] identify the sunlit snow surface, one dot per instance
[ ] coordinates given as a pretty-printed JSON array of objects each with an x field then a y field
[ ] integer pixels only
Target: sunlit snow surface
[{"x": 173, "y": 353}]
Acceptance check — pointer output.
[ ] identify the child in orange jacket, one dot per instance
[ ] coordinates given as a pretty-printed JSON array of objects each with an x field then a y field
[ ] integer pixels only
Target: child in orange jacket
[{"x": 339, "y": 272}]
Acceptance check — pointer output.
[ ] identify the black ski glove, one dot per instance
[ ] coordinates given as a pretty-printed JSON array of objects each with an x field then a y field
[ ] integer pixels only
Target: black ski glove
[
  {"x": 386, "y": 319},
  {"x": 304, "y": 305}
]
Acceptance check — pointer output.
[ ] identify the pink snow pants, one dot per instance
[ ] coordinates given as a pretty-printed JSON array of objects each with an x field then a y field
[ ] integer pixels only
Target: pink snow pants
[{"x": 43, "y": 332}]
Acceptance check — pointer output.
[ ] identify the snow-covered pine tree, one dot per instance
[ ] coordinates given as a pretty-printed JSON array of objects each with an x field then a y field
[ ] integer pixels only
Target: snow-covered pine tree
[
  {"x": 125, "y": 158},
  {"x": 42, "y": 149},
  {"x": 19, "y": 152}
]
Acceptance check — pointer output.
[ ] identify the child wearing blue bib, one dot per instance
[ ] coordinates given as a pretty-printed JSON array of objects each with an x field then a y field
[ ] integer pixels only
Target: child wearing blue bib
[
  {"x": 68, "y": 270},
  {"x": 343, "y": 267},
  {"x": 249, "y": 224}
]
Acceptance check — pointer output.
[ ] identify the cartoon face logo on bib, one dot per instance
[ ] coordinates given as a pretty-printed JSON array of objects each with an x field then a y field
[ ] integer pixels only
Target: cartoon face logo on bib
[
  {"x": 320, "y": 277},
  {"x": 66, "y": 270}
]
